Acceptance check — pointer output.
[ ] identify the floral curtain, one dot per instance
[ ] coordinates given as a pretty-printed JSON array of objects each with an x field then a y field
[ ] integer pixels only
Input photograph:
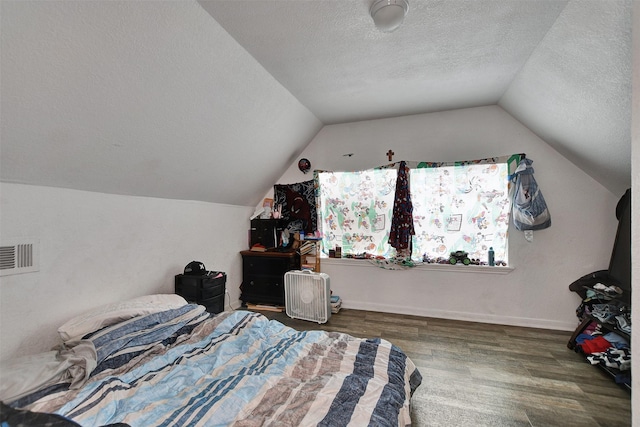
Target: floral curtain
[
  {"x": 356, "y": 209},
  {"x": 461, "y": 206},
  {"x": 456, "y": 206}
]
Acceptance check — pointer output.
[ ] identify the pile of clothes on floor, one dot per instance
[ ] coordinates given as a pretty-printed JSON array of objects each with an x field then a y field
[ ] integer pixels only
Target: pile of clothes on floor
[
  {"x": 609, "y": 349},
  {"x": 605, "y": 341}
]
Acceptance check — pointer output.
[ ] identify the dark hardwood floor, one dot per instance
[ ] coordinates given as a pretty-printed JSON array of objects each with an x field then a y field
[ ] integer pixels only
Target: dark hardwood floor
[{"x": 477, "y": 374}]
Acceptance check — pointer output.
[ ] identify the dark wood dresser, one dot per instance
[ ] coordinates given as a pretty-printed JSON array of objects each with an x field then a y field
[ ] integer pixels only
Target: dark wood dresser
[{"x": 263, "y": 276}]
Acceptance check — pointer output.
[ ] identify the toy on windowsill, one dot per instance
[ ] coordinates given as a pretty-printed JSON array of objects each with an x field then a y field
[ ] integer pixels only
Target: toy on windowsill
[
  {"x": 459, "y": 256},
  {"x": 440, "y": 260}
]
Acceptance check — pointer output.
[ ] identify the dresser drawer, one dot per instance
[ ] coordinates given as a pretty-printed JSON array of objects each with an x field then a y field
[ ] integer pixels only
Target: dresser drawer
[
  {"x": 263, "y": 276},
  {"x": 265, "y": 266},
  {"x": 214, "y": 305},
  {"x": 198, "y": 288},
  {"x": 263, "y": 289}
]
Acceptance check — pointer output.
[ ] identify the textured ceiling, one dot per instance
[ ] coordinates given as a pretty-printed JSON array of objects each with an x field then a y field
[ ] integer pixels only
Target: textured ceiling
[
  {"x": 575, "y": 90},
  {"x": 144, "y": 98},
  {"x": 446, "y": 55},
  {"x": 563, "y": 68}
]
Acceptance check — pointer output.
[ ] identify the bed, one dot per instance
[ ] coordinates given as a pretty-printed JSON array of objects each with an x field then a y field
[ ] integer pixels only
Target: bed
[{"x": 171, "y": 363}]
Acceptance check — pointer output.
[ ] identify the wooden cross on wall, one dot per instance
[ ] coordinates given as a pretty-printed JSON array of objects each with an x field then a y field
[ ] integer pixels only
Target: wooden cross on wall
[{"x": 390, "y": 154}]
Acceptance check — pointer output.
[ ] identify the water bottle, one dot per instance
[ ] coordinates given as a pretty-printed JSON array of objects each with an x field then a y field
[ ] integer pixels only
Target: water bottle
[{"x": 491, "y": 257}]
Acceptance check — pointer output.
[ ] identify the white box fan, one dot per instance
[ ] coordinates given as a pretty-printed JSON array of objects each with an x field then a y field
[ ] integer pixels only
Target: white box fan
[{"x": 307, "y": 295}]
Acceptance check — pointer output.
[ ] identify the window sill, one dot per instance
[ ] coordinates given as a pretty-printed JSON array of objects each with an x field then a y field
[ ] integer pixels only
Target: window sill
[{"x": 459, "y": 268}]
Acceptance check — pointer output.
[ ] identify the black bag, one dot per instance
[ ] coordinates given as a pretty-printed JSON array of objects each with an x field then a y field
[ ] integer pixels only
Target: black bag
[{"x": 530, "y": 211}]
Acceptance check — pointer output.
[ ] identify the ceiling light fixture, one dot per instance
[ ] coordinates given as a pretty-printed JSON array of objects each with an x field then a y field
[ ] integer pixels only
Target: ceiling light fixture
[{"x": 388, "y": 14}]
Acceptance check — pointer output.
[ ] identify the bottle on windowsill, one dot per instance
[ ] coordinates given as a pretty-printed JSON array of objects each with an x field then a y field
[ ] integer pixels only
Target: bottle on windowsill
[{"x": 491, "y": 257}]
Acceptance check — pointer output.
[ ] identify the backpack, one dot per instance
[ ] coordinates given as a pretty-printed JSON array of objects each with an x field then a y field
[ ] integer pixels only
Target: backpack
[{"x": 530, "y": 211}]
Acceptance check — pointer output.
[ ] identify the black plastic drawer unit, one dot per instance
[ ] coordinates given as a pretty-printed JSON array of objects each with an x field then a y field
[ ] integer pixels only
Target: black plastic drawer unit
[{"x": 207, "y": 290}]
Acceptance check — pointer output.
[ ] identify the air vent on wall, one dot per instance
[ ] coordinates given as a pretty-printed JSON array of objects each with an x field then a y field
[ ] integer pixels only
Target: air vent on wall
[{"x": 18, "y": 256}]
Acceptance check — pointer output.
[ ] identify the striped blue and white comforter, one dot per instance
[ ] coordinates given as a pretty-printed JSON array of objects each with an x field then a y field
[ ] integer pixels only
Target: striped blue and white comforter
[{"x": 183, "y": 367}]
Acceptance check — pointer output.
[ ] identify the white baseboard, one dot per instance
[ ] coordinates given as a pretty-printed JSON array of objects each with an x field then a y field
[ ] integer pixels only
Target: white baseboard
[
  {"x": 469, "y": 317},
  {"x": 455, "y": 315}
]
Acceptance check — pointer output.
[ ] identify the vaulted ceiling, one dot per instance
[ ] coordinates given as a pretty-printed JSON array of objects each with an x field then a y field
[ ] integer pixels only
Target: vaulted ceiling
[{"x": 168, "y": 99}]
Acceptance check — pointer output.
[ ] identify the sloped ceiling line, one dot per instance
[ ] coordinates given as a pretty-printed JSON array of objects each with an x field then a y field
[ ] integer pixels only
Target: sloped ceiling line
[
  {"x": 533, "y": 51},
  {"x": 536, "y": 59},
  {"x": 175, "y": 99},
  {"x": 575, "y": 90}
]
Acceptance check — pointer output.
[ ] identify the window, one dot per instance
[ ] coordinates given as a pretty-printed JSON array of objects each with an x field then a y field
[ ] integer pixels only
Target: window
[
  {"x": 355, "y": 210},
  {"x": 463, "y": 207},
  {"x": 457, "y": 206}
]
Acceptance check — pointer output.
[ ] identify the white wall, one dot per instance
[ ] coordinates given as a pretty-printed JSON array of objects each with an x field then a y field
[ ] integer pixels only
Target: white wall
[
  {"x": 536, "y": 293},
  {"x": 99, "y": 248},
  {"x": 123, "y": 97}
]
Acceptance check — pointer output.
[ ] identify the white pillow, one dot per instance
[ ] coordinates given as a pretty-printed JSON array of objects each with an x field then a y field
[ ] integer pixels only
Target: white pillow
[{"x": 110, "y": 314}]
